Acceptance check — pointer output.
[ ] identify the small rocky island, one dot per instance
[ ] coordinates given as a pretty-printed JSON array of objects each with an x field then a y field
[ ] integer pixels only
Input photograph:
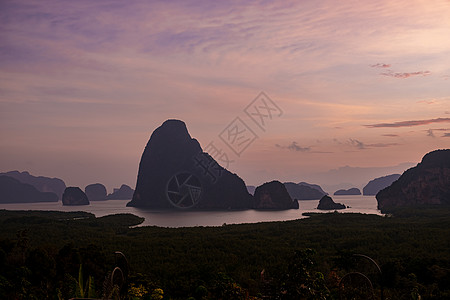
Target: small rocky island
[
  {"x": 123, "y": 193},
  {"x": 74, "y": 196},
  {"x": 95, "y": 192},
  {"x": 273, "y": 195},
  {"x": 327, "y": 203}
]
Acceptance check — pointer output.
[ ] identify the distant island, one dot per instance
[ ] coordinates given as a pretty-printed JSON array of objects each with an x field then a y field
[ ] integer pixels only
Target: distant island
[
  {"x": 73, "y": 196},
  {"x": 14, "y": 191},
  {"x": 351, "y": 191},
  {"x": 41, "y": 183},
  {"x": 327, "y": 203},
  {"x": 304, "y": 191}
]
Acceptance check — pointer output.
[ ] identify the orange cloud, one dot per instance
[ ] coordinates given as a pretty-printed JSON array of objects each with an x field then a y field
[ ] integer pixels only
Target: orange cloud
[
  {"x": 381, "y": 65},
  {"x": 409, "y": 123},
  {"x": 406, "y": 75}
]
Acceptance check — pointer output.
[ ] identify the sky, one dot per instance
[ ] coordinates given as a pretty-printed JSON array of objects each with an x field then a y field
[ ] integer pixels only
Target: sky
[{"x": 352, "y": 90}]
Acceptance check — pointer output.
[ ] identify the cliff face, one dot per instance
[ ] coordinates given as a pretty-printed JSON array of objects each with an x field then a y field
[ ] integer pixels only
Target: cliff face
[
  {"x": 175, "y": 173},
  {"x": 41, "y": 183},
  {"x": 377, "y": 184},
  {"x": 273, "y": 195},
  {"x": 427, "y": 183}
]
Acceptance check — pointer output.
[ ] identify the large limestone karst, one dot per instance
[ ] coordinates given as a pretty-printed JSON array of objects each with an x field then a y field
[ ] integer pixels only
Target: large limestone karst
[
  {"x": 426, "y": 184},
  {"x": 175, "y": 173}
]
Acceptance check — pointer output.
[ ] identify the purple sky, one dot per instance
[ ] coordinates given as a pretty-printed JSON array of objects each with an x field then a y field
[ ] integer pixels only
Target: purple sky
[{"x": 363, "y": 86}]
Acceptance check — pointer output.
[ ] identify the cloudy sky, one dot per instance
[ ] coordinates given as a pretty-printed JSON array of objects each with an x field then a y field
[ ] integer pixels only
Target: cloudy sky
[{"x": 362, "y": 88}]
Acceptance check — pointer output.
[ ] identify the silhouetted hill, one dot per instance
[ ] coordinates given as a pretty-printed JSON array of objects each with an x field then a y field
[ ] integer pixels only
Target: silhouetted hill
[
  {"x": 73, "y": 195},
  {"x": 303, "y": 191},
  {"x": 41, "y": 183},
  {"x": 95, "y": 192},
  {"x": 14, "y": 191},
  {"x": 327, "y": 203},
  {"x": 273, "y": 195},
  {"x": 351, "y": 191},
  {"x": 377, "y": 184},
  {"x": 427, "y": 183},
  {"x": 123, "y": 193},
  {"x": 314, "y": 186},
  {"x": 175, "y": 173}
]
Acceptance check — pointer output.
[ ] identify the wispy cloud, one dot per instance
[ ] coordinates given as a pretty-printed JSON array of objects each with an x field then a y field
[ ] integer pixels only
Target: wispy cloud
[
  {"x": 379, "y": 65},
  {"x": 390, "y": 73},
  {"x": 409, "y": 123},
  {"x": 447, "y": 134},
  {"x": 390, "y": 135},
  {"x": 427, "y": 101},
  {"x": 430, "y": 133},
  {"x": 358, "y": 144},
  {"x": 294, "y": 146}
]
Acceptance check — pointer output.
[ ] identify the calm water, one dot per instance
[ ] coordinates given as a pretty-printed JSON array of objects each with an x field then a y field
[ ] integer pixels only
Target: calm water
[{"x": 358, "y": 204}]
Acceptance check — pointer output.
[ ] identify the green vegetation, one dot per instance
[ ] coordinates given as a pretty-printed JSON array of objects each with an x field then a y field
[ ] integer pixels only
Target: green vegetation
[{"x": 46, "y": 255}]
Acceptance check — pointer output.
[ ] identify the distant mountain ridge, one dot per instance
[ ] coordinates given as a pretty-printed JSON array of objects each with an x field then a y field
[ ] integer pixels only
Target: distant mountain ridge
[
  {"x": 41, "y": 183},
  {"x": 304, "y": 191},
  {"x": 14, "y": 191},
  {"x": 377, "y": 184},
  {"x": 350, "y": 191}
]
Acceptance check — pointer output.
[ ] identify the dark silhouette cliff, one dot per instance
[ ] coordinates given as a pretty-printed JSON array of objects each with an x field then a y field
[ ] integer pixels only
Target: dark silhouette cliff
[
  {"x": 303, "y": 191},
  {"x": 428, "y": 183},
  {"x": 95, "y": 192},
  {"x": 14, "y": 191},
  {"x": 73, "y": 195},
  {"x": 327, "y": 203},
  {"x": 377, "y": 184},
  {"x": 41, "y": 183},
  {"x": 351, "y": 191},
  {"x": 273, "y": 195},
  {"x": 175, "y": 173},
  {"x": 123, "y": 193}
]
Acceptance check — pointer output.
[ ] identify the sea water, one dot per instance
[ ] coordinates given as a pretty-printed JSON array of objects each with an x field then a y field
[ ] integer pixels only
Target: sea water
[{"x": 167, "y": 218}]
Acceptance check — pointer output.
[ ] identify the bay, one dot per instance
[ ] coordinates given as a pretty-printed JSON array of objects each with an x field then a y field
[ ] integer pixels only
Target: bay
[{"x": 166, "y": 218}]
